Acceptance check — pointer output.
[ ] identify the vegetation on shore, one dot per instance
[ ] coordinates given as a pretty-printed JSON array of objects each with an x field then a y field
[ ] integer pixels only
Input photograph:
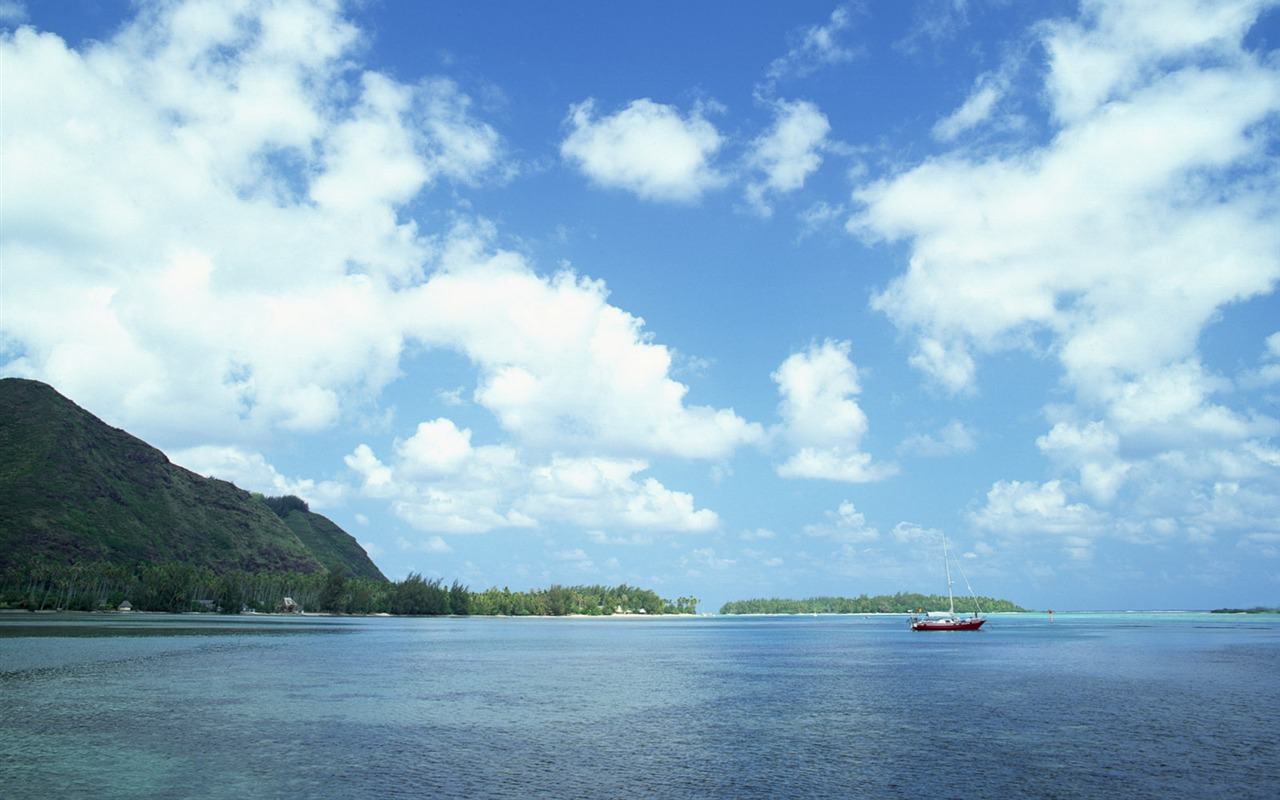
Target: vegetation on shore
[
  {"x": 74, "y": 489},
  {"x": 1254, "y": 610},
  {"x": 177, "y": 587},
  {"x": 901, "y": 603},
  {"x": 92, "y": 517}
]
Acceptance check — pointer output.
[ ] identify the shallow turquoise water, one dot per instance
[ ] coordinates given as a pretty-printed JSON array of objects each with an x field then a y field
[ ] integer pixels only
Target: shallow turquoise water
[{"x": 1090, "y": 706}]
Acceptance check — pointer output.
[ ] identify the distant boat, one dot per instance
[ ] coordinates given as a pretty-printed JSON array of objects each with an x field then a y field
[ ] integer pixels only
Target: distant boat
[{"x": 948, "y": 620}]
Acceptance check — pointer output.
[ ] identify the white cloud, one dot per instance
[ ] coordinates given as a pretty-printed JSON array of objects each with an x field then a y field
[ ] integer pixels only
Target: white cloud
[
  {"x": 576, "y": 557},
  {"x": 846, "y": 525},
  {"x": 706, "y": 558},
  {"x": 788, "y": 153},
  {"x": 1267, "y": 373},
  {"x": 12, "y": 12},
  {"x": 1113, "y": 52},
  {"x": 1111, "y": 245},
  {"x": 438, "y": 447},
  {"x": 1171, "y": 406},
  {"x": 953, "y": 438},
  {"x": 440, "y": 482},
  {"x": 252, "y": 471},
  {"x": 431, "y": 544},
  {"x": 816, "y": 47},
  {"x": 458, "y": 147},
  {"x": 208, "y": 210},
  {"x": 1024, "y": 508},
  {"x": 919, "y": 538},
  {"x": 377, "y": 479},
  {"x": 599, "y": 492},
  {"x": 821, "y": 420},
  {"x": 646, "y": 148},
  {"x": 1094, "y": 451},
  {"x": 161, "y": 232},
  {"x": 935, "y": 21},
  {"x": 560, "y": 367},
  {"x": 948, "y": 363},
  {"x": 1121, "y": 237},
  {"x": 475, "y": 498},
  {"x": 978, "y": 107},
  {"x": 820, "y": 216},
  {"x": 834, "y": 463}
]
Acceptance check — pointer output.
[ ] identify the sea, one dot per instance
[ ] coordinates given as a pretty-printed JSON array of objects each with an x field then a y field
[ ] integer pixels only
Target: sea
[{"x": 1089, "y": 705}]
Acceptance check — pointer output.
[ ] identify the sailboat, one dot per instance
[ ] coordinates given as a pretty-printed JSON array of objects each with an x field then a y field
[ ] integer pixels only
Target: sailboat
[{"x": 948, "y": 620}]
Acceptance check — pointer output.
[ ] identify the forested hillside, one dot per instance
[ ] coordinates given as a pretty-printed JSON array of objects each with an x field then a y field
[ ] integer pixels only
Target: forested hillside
[{"x": 74, "y": 489}]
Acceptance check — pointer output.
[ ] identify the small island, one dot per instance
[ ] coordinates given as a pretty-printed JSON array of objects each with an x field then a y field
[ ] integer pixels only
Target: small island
[
  {"x": 1254, "y": 610},
  {"x": 901, "y": 603}
]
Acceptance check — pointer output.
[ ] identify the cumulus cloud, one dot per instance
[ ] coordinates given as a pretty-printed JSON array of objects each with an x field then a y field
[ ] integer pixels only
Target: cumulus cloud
[
  {"x": 1110, "y": 246},
  {"x": 1093, "y": 449},
  {"x": 593, "y": 492},
  {"x": 252, "y": 471},
  {"x": 183, "y": 195},
  {"x": 439, "y": 482},
  {"x": 647, "y": 148},
  {"x": 1018, "y": 507},
  {"x": 1111, "y": 54},
  {"x": 559, "y": 366},
  {"x": 1267, "y": 373},
  {"x": 821, "y": 420},
  {"x": 846, "y": 525},
  {"x": 206, "y": 235},
  {"x": 1119, "y": 248},
  {"x": 788, "y": 153}
]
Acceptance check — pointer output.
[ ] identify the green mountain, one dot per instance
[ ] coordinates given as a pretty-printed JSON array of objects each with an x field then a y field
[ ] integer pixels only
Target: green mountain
[{"x": 73, "y": 488}]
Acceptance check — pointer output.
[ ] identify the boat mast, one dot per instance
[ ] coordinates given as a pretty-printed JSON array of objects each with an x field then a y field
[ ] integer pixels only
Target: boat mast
[{"x": 946, "y": 561}]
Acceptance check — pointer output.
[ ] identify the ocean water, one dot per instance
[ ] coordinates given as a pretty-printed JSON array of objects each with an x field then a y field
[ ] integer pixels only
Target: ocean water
[{"x": 1088, "y": 706}]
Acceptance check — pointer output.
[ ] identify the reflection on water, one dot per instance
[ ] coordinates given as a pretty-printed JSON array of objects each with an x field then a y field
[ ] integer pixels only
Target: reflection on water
[{"x": 216, "y": 707}]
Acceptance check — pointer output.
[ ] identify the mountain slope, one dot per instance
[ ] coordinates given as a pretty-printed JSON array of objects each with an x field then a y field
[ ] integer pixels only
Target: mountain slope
[
  {"x": 334, "y": 547},
  {"x": 74, "y": 488}
]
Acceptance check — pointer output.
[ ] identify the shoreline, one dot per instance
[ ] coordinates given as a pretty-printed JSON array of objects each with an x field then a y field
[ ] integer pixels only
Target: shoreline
[{"x": 16, "y": 612}]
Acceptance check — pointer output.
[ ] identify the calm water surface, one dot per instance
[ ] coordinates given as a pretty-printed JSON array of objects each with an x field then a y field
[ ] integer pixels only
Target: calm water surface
[{"x": 1090, "y": 706}]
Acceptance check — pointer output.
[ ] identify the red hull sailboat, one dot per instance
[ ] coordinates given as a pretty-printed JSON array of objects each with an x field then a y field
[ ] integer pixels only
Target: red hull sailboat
[{"x": 948, "y": 620}]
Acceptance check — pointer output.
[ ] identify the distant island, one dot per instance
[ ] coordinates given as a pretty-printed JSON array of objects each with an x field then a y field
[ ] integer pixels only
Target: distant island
[
  {"x": 901, "y": 603},
  {"x": 1254, "y": 610}
]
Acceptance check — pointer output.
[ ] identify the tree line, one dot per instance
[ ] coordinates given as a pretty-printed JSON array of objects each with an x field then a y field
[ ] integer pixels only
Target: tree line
[
  {"x": 594, "y": 600},
  {"x": 900, "y": 603},
  {"x": 179, "y": 587}
]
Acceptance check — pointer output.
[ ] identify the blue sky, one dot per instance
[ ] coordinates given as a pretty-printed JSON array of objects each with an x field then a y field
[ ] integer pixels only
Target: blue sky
[{"x": 722, "y": 299}]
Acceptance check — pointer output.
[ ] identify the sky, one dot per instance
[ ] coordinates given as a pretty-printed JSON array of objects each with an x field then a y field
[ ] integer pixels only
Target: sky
[{"x": 721, "y": 299}]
